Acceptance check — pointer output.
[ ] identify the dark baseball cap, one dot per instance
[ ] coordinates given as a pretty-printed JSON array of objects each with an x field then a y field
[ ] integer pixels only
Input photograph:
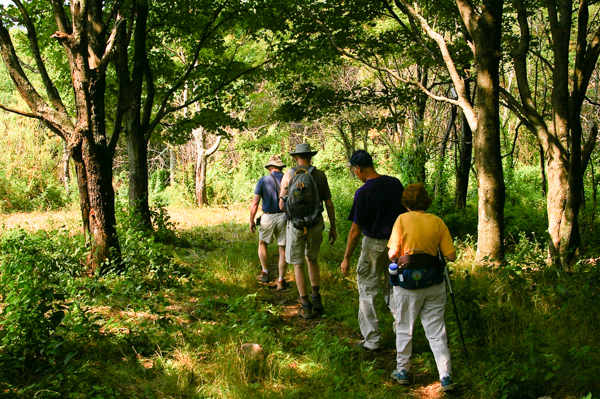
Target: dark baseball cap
[{"x": 361, "y": 158}]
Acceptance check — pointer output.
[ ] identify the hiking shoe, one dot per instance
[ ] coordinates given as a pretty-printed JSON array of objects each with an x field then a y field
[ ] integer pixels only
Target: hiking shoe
[
  {"x": 447, "y": 384},
  {"x": 306, "y": 311},
  {"x": 401, "y": 377},
  {"x": 317, "y": 305},
  {"x": 361, "y": 345},
  {"x": 282, "y": 285},
  {"x": 263, "y": 277}
]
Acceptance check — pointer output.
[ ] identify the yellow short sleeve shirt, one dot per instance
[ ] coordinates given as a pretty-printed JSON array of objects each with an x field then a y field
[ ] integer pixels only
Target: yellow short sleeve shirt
[{"x": 420, "y": 230}]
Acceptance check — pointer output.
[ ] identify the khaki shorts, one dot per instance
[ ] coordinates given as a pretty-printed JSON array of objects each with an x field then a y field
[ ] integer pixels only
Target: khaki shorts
[
  {"x": 300, "y": 245},
  {"x": 272, "y": 225}
]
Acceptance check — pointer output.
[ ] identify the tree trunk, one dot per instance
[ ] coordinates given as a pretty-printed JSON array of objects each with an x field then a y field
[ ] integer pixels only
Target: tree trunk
[
  {"x": 135, "y": 125},
  {"x": 66, "y": 177},
  {"x": 349, "y": 143},
  {"x": 201, "y": 163},
  {"x": 172, "y": 162},
  {"x": 84, "y": 199},
  {"x": 463, "y": 168},
  {"x": 418, "y": 122},
  {"x": 137, "y": 151},
  {"x": 105, "y": 243},
  {"x": 543, "y": 170},
  {"x": 443, "y": 146},
  {"x": 561, "y": 138},
  {"x": 490, "y": 177},
  {"x": 200, "y": 169}
]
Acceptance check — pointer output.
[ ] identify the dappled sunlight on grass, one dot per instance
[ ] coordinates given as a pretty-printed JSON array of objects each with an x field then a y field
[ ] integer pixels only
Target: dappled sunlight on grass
[
  {"x": 181, "y": 336},
  {"x": 39, "y": 220}
]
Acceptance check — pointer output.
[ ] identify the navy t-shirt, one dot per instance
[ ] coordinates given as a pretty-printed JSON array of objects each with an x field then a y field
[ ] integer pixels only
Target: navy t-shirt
[
  {"x": 377, "y": 206},
  {"x": 267, "y": 189}
]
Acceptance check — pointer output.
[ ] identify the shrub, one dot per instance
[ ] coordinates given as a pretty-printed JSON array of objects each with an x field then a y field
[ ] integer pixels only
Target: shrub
[{"x": 34, "y": 270}]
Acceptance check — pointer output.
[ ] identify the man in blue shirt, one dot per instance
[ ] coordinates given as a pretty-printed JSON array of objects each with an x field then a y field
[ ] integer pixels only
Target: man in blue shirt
[
  {"x": 374, "y": 211},
  {"x": 272, "y": 221}
]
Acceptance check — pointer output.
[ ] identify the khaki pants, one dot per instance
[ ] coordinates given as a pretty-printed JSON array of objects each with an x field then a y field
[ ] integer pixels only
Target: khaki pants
[
  {"x": 372, "y": 276},
  {"x": 430, "y": 304}
]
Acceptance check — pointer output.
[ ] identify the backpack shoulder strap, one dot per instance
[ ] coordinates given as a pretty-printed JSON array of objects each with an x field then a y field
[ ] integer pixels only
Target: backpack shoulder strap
[
  {"x": 276, "y": 184},
  {"x": 309, "y": 171}
]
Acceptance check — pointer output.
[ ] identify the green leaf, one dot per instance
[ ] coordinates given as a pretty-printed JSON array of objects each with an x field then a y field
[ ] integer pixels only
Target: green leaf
[{"x": 69, "y": 357}]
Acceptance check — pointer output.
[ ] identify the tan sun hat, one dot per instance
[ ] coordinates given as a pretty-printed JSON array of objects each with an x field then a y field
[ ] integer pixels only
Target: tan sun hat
[
  {"x": 274, "y": 160},
  {"x": 303, "y": 148}
]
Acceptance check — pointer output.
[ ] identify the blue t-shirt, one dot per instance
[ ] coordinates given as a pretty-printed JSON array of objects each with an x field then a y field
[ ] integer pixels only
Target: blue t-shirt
[
  {"x": 377, "y": 206},
  {"x": 267, "y": 189}
]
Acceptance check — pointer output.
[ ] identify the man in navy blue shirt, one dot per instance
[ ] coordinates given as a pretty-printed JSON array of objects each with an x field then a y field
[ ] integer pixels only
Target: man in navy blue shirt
[
  {"x": 272, "y": 221},
  {"x": 374, "y": 211}
]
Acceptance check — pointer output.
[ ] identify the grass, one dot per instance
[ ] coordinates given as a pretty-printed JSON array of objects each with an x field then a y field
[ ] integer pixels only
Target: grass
[{"x": 177, "y": 331}]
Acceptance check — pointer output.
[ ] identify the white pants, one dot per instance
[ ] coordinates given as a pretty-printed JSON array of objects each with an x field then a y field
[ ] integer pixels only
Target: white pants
[
  {"x": 430, "y": 304},
  {"x": 371, "y": 269}
]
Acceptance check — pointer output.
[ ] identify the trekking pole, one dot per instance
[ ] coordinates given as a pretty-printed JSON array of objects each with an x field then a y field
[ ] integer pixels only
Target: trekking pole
[{"x": 447, "y": 275}]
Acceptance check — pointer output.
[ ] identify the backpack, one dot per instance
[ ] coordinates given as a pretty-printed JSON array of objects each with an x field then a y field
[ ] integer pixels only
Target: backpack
[{"x": 303, "y": 206}]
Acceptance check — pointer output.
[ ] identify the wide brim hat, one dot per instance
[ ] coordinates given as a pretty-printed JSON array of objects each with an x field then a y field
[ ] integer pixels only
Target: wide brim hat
[
  {"x": 303, "y": 148},
  {"x": 274, "y": 160}
]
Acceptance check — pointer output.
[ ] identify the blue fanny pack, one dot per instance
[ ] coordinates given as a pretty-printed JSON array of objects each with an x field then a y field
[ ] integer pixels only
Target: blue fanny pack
[{"x": 418, "y": 271}]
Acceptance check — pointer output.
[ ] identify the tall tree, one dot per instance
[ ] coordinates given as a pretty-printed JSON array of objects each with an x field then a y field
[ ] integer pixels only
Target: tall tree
[
  {"x": 349, "y": 29},
  {"x": 138, "y": 39},
  {"x": 202, "y": 155},
  {"x": 560, "y": 134},
  {"x": 199, "y": 48},
  {"x": 88, "y": 45},
  {"x": 483, "y": 34}
]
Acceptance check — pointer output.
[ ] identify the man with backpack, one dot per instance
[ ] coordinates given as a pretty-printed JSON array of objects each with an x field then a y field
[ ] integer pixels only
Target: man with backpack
[
  {"x": 303, "y": 191},
  {"x": 377, "y": 205},
  {"x": 272, "y": 222}
]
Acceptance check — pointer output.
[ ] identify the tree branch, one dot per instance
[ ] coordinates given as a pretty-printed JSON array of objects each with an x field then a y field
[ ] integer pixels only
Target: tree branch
[
  {"x": 214, "y": 147},
  {"x": 22, "y": 113},
  {"x": 459, "y": 84},
  {"x": 58, "y": 121},
  {"x": 588, "y": 147},
  {"x": 62, "y": 22},
  {"x": 110, "y": 46},
  {"x": 51, "y": 90}
]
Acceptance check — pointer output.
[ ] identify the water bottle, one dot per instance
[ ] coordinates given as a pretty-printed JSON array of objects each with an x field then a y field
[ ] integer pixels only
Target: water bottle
[{"x": 394, "y": 274}]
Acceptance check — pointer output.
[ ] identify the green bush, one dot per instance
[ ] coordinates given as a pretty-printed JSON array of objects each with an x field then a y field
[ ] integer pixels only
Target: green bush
[{"x": 34, "y": 274}]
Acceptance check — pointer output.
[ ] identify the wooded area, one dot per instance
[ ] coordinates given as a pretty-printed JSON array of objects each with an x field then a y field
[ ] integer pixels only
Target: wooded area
[{"x": 132, "y": 111}]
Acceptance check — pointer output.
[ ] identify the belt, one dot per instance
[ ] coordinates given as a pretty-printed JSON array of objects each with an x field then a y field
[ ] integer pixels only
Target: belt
[{"x": 273, "y": 213}]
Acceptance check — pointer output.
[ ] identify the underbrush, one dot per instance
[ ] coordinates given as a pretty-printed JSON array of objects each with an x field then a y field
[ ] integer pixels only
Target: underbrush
[
  {"x": 530, "y": 328},
  {"x": 174, "y": 323}
]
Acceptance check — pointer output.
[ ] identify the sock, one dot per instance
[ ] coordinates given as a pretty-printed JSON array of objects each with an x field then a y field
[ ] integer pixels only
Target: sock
[
  {"x": 444, "y": 375},
  {"x": 265, "y": 271},
  {"x": 315, "y": 291}
]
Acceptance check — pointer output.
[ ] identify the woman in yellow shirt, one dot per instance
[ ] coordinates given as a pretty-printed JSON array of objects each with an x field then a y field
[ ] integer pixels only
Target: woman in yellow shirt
[{"x": 418, "y": 232}]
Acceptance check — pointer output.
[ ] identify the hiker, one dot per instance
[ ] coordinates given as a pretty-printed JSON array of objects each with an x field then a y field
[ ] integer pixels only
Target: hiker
[
  {"x": 416, "y": 238},
  {"x": 272, "y": 222},
  {"x": 308, "y": 188},
  {"x": 377, "y": 205}
]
